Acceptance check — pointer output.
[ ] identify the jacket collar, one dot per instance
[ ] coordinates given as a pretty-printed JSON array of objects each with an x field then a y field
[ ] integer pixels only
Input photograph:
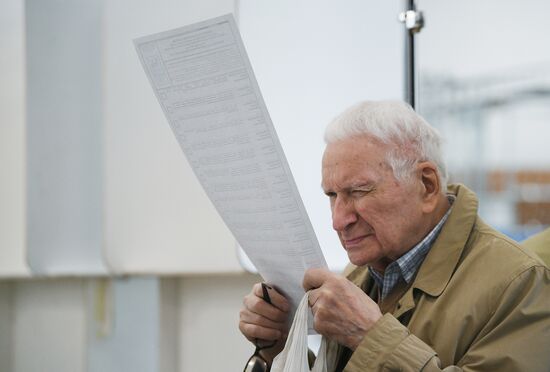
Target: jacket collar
[
  {"x": 440, "y": 263},
  {"x": 435, "y": 272}
]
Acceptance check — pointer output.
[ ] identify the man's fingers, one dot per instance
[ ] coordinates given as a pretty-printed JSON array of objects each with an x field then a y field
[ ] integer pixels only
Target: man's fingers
[
  {"x": 262, "y": 308},
  {"x": 248, "y": 316},
  {"x": 259, "y": 306},
  {"x": 253, "y": 331},
  {"x": 312, "y": 298},
  {"x": 277, "y": 299},
  {"x": 314, "y": 278}
]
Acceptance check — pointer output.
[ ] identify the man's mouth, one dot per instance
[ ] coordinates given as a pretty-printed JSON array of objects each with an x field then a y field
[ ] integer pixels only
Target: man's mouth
[{"x": 354, "y": 241}]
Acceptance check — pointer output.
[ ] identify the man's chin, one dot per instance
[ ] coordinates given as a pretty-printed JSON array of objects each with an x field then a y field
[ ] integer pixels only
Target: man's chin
[{"x": 357, "y": 260}]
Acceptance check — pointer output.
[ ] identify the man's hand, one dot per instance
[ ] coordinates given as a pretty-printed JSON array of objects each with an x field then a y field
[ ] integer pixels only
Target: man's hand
[
  {"x": 263, "y": 322},
  {"x": 341, "y": 310}
]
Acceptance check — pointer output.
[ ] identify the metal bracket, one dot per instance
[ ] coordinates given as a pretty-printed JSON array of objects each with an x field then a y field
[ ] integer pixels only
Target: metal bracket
[{"x": 413, "y": 20}]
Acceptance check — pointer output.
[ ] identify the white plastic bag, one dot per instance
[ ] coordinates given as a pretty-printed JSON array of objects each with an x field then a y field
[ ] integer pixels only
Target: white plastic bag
[{"x": 293, "y": 358}]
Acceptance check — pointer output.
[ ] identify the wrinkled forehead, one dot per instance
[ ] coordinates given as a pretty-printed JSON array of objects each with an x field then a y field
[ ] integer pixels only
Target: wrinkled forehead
[
  {"x": 358, "y": 148},
  {"x": 353, "y": 159}
]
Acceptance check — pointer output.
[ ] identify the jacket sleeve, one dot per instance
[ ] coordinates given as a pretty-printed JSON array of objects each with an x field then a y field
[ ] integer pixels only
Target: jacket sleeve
[{"x": 516, "y": 338}]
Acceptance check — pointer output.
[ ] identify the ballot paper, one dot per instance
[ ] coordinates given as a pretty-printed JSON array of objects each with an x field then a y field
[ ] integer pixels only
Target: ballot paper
[{"x": 205, "y": 85}]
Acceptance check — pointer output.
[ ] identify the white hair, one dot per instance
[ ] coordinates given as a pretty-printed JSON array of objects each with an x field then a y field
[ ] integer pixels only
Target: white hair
[{"x": 394, "y": 123}]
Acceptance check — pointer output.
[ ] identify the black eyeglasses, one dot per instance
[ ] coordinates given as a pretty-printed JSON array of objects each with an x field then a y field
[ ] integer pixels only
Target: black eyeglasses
[{"x": 257, "y": 363}]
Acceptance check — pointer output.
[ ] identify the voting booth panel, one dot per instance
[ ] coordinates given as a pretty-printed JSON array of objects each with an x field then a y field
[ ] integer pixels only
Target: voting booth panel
[{"x": 64, "y": 173}]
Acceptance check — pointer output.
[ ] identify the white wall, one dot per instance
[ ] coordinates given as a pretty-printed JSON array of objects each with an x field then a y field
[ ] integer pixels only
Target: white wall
[
  {"x": 208, "y": 323},
  {"x": 49, "y": 326}
]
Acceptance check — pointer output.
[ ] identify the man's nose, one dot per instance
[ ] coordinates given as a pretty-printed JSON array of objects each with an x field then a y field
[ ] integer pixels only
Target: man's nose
[{"x": 343, "y": 214}]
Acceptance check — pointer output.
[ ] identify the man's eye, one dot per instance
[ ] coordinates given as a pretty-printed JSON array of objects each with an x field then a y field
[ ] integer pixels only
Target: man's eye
[{"x": 359, "y": 193}]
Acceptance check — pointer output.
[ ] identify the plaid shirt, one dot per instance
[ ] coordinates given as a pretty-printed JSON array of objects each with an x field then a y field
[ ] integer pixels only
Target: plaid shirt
[{"x": 407, "y": 265}]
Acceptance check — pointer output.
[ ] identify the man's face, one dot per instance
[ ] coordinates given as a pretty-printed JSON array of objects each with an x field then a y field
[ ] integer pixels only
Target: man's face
[{"x": 377, "y": 217}]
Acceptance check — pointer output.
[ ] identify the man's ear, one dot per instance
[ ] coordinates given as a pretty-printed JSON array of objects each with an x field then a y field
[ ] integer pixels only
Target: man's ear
[{"x": 431, "y": 188}]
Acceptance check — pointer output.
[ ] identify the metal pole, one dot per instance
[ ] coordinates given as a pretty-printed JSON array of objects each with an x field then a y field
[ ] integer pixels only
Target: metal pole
[{"x": 414, "y": 21}]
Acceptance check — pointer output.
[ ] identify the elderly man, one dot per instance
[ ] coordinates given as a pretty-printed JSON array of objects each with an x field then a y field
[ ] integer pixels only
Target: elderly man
[{"x": 430, "y": 287}]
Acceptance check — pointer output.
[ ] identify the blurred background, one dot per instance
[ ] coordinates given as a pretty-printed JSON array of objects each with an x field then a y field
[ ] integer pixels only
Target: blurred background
[{"x": 112, "y": 257}]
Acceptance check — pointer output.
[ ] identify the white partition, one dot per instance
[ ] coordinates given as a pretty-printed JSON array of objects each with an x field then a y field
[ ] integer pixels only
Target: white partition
[
  {"x": 158, "y": 218},
  {"x": 312, "y": 60},
  {"x": 63, "y": 137},
  {"x": 12, "y": 140}
]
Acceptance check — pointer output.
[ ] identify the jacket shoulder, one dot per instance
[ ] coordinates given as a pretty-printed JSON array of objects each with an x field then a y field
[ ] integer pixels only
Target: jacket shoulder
[{"x": 491, "y": 248}]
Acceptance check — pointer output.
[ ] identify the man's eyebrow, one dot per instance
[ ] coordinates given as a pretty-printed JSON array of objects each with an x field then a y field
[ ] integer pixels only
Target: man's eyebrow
[
  {"x": 362, "y": 185},
  {"x": 366, "y": 185}
]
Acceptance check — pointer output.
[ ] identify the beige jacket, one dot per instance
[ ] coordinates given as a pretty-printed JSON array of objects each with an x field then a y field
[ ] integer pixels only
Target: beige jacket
[
  {"x": 540, "y": 244},
  {"x": 479, "y": 302}
]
